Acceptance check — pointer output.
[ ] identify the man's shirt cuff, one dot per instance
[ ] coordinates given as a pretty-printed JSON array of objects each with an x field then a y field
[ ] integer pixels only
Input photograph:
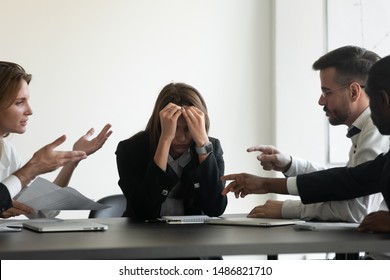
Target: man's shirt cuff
[
  {"x": 13, "y": 185},
  {"x": 292, "y": 187}
]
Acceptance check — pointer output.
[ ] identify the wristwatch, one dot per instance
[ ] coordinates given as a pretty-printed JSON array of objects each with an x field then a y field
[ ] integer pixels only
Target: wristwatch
[{"x": 206, "y": 149}]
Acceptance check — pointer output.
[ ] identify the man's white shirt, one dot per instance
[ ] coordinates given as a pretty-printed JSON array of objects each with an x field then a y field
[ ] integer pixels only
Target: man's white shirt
[{"x": 366, "y": 145}]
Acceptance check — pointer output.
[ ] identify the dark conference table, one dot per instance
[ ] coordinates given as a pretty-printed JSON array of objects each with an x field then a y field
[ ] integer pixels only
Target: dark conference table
[{"x": 127, "y": 240}]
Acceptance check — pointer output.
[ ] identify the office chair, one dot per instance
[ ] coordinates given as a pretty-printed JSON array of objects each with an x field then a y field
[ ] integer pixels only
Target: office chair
[{"x": 117, "y": 203}]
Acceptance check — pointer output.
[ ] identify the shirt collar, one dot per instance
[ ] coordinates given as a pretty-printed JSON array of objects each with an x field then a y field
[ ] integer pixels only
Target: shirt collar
[
  {"x": 358, "y": 124},
  {"x": 362, "y": 119},
  {"x": 178, "y": 164}
]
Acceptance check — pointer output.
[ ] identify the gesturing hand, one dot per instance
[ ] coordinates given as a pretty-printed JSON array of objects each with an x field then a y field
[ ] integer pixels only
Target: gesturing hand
[
  {"x": 271, "y": 158},
  {"x": 243, "y": 184},
  {"x": 91, "y": 146},
  {"x": 47, "y": 160}
]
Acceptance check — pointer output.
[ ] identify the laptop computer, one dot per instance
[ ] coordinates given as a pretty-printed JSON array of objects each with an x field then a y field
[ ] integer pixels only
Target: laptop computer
[
  {"x": 320, "y": 226},
  {"x": 260, "y": 222},
  {"x": 64, "y": 225},
  {"x": 188, "y": 219}
]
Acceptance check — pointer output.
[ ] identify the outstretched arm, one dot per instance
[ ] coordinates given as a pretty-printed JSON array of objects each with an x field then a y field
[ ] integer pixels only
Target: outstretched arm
[
  {"x": 47, "y": 160},
  {"x": 244, "y": 184},
  {"x": 271, "y": 158},
  {"x": 87, "y": 146}
]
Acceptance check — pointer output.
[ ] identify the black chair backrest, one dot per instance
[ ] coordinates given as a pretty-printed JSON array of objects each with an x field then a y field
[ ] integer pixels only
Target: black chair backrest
[{"x": 117, "y": 203}]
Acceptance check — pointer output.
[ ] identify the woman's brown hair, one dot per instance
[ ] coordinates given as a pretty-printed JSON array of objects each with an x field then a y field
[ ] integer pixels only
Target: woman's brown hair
[
  {"x": 11, "y": 75},
  {"x": 180, "y": 94}
]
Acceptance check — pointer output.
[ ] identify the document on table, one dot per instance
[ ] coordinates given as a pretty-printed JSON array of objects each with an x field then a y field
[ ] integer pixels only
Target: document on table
[
  {"x": 10, "y": 225},
  {"x": 45, "y": 195}
]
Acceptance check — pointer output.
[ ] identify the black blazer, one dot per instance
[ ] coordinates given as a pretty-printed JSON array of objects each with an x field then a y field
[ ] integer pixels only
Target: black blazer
[
  {"x": 5, "y": 198},
  {"x": 144, "y": 183},
  {"x": 346, "y": 183}
]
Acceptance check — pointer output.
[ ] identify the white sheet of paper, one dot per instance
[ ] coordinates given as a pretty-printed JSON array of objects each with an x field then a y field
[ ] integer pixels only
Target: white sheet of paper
[
  {"x": 45, "y": 195},
  {"x": 10, "y": 225}
]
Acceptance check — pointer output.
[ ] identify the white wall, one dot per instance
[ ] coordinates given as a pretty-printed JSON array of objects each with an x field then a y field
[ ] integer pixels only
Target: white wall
[
  {"x": 365, "y": 24},
  {"x": 300, "y": 123},
  {"x": 299, "y": 41},
  {"x": 98, "y": 61}
]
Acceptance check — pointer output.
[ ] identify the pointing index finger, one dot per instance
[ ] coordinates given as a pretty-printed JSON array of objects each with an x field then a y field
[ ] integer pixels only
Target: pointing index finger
[{"x": 229, "y": 177}]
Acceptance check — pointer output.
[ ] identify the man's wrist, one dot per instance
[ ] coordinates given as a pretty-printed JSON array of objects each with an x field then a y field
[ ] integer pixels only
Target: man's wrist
[
  {"x": 288, "y": 166},
  {"x": 276, "y": 185}
]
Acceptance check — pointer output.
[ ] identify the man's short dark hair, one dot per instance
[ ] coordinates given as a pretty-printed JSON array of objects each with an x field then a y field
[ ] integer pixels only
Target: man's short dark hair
[{"x": 352, "y": 63}]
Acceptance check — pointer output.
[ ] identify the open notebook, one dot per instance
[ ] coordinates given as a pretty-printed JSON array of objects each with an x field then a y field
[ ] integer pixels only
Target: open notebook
[
  {"x": 242, "y": 221},
  {"x": 64, "y": 225}
]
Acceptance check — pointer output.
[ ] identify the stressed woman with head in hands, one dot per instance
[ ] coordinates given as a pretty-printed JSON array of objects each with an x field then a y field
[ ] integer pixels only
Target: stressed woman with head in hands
[{"x": 173, "y": 167}]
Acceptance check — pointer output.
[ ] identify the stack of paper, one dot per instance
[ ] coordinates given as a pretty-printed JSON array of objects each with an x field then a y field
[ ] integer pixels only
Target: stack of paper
[{"x": 44, "y": 195}]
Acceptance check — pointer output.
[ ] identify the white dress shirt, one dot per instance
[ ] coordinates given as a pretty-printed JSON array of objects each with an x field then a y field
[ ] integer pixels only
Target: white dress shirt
[
  {"x": 9, "y": 163},
  {"x": 366, "y": 145}
]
